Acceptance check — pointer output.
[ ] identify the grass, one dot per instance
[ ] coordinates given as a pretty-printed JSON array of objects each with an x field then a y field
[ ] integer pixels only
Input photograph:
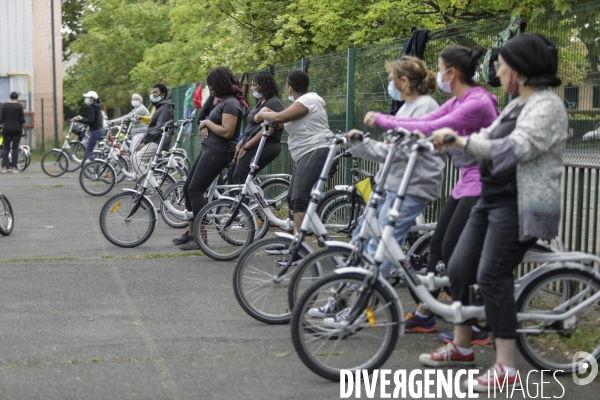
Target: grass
[{"x": 132, "y": 257}]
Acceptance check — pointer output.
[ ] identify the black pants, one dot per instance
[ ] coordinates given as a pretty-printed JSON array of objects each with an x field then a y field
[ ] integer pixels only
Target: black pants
[
  {"x": 451, "y": 223},
  {"x": 306, "y": 173},
  {"x": 11, "y": 142},
  {"x": 487, "y": 253},
  {"x": 207, "y": 166},
  {"x": 241, "y": 170}
]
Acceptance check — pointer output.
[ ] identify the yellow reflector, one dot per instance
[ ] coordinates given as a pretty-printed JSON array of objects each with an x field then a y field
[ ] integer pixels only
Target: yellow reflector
[
  {"x": 365, "y": 188},
  {"x": 371, "y": 317},
  {"x": 259, "y": 222},
  {"x": 108, "y": 175},
  {"x": 115, "y": 208}
]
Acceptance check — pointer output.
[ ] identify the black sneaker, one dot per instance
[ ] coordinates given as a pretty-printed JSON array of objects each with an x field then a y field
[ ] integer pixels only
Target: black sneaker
[
  {"x": 183, "y": 239},
  {"x": 191, "y": 245}
]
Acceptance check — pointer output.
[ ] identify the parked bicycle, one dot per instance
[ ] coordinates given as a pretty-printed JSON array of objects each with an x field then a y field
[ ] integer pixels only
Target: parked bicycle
[
  {"x": 58, "y": 161},
  {"x": 7, "y": 218}
]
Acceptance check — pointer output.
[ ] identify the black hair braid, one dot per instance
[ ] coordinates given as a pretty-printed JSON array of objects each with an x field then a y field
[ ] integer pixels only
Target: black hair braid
[
  {"x": 224, "y": 83},
  {"x": 266, "y": 82}
]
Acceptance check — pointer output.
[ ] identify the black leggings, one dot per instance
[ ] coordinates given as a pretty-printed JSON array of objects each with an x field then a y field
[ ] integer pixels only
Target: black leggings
[
  {"x": 11, "y": 143},
  {"x": 487, "y": 253},
  {"x": 451, "y": 223},
  {"x": 242, "y": 168},
  {"x": 207, "y": 166}
]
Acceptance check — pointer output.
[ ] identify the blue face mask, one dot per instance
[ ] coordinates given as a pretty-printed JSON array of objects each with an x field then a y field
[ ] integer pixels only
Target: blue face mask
[
  {"x": 155, "y": 99},
  {"x": 291, "y": 98},
  {"x": 393, "y": 92}
]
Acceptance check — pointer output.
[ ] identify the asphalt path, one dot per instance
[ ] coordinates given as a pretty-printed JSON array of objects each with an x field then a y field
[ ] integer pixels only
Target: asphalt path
[{"x": 83, "y": 319}]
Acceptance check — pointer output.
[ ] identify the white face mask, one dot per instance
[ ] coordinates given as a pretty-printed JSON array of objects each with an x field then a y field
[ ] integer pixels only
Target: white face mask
[
  {"x": 135, "y": 103},
  {"x": 87, "y": 101},
  {"x": 256, "y": 95},
  {"x": 444, "y": 86}
]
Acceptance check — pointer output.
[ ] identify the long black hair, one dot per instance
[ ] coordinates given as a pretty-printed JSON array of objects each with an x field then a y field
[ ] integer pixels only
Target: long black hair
[
  {"x": 223, "y": 83},
  {"x": 463, "y": 59},
  {"x": 266, "y": 82}
]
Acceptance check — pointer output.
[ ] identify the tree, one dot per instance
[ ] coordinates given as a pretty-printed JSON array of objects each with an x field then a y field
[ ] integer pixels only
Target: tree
[{"x": 72, "y": 13}]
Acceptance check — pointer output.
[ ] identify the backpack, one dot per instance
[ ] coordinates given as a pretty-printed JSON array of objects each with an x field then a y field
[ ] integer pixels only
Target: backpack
[
  {"x": 197, "y": 98},
  {"x": 516, "y": 26}
]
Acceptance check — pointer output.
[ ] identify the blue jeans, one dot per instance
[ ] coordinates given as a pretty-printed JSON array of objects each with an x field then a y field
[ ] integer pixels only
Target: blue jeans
[
  {"x": 94, "y": 136},
  {"x": 409, "y": 211}
]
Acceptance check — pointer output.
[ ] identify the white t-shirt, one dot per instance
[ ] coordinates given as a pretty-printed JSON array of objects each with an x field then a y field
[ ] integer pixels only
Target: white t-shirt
[
  {"x": 310, "y": 132},
  {"x": 420, "y": 106}
]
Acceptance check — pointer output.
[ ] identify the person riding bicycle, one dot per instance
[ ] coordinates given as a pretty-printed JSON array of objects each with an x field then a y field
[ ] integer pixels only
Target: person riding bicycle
[
  {"x": 13, "y": 119},
  {"x": 521, "y": 168},
  {"x": 220, "y": 132},
  {"x": 471, "y": 109},
  {"x": 264, "y": 89},
  {"x": 308, "y": 127},
  {"x": 138, "y": 129},
  {"x": 148, "y": 145},
  {"x": 95, "y": 120}
]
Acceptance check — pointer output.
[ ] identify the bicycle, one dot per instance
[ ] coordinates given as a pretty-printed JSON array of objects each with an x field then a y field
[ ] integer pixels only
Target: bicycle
[
  {"x": 7, "y": 217},
  {"x": 263, "y": 271},
  {"x": 547, "y": 300},
  {"x": 128, "y": 219},
  {"x": 24, "y": 157},
  {"x": 58, "y": 161}
]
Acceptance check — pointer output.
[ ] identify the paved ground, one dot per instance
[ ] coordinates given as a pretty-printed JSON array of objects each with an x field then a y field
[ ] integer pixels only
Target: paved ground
[{"x": 148, "y": 328}]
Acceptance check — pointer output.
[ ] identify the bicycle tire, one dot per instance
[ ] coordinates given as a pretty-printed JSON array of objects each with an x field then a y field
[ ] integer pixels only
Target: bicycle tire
[
  {"x": 313, "y": 267},
  {"x": 274, "y": 188},
  {"x": 218, "y": 242},
  {"x": 254, "y": 275},
  {"x": 548, "y": 284},
  {"x": 97, "y": 178},
  {"x": 7, "y": 217},
  {"x": 55, "y": 163},
  {"x": 316, "y": 335},
  {"x": 329, "y": 197},
  {"x": 174, "y": 195},
  {"x": 337, "y": 217},
  {"x": 115, "y": 211}
]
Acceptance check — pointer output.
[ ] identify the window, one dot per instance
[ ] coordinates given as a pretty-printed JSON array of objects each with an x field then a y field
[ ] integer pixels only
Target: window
[
  {"x": 596, "y": 97},
  {"x": 571, "y": 97}
]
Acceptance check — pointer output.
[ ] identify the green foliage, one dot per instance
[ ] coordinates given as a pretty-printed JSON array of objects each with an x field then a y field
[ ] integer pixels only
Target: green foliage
[{"x": 127, "y": 45}]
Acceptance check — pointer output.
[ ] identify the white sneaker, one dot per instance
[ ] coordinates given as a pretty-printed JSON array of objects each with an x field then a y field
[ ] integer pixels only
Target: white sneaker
[
  {"x": 328, "y": 310},
  {"x": 339, "y": 320}
]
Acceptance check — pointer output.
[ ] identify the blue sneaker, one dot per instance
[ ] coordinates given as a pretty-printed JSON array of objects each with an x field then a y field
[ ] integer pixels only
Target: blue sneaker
[
  {"x": 480, "y": 338},
  {"x": 415, "y": 324}
]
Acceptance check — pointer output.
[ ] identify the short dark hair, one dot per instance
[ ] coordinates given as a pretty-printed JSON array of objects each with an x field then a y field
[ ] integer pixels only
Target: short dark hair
[
  {"x": 298, "y": 80},
  {"x": 161, "y": 87},
  {"x": 463, "y": 59},
  {"x": 267, "y": 84},
  {"x": 14, "y": 95}
]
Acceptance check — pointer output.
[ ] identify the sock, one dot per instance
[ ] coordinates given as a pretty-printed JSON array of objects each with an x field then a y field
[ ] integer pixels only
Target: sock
[
  {"x": 421, "y": 315},
  {"x": 510, "y": 371},
  {"x": 465, "y": 351},
  {"x": 476, "y": 329}
]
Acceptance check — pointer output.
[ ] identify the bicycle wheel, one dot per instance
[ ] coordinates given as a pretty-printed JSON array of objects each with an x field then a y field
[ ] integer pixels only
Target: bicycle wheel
[
  {"x": 78, "y": 150},
  {"x": 127, "y": 232},
  {"x": 339, "y": 218},
  {"x": 255, "y": 283},
  {"x": 262, "y": 222},
  {"x": 174, "y": 195},
  {"x": 327, "y": 347},
  {"x": 22, "y": 161},
  {"x": 55, "y": 163},
  {"x": 97, "y": 178},
  {"x": 315, "y": 266},
  {"x": 7, "y": 218},
  {"x": 551, "y": 345},
  {"x": 275, "y": 194},
  {"x": 120, "y": 165},
  {"x": 217, "y": 241},
  {"x": 330, "y": 197}
]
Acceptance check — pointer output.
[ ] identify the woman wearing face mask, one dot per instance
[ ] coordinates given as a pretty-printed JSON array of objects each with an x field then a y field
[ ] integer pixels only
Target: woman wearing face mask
[
  {"x": 521, "y": 170},
  {"x": 264, "y": 89},
  {"x": 95, "y": 120},
  {"x": 471, "y": 109},
  {"x": 138, "y": 129},
  {"x": 306, "y": 122}
]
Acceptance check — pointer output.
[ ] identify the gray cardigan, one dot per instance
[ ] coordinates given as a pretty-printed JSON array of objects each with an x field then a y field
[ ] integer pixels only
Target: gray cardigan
[
  {"x": 536, "y": 148},
  {"x": 424, "y": 184},
  {"x": 138, "y": 127}
]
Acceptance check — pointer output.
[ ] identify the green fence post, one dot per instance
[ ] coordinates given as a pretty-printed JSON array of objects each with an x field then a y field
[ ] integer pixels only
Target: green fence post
[
  {"x": 579, "y": 217},
  {"x": 349, "y": 105}
]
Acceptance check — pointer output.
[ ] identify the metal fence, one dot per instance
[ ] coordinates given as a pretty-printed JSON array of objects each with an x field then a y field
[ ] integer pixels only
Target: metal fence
[{"x": 354, "y": 81}]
